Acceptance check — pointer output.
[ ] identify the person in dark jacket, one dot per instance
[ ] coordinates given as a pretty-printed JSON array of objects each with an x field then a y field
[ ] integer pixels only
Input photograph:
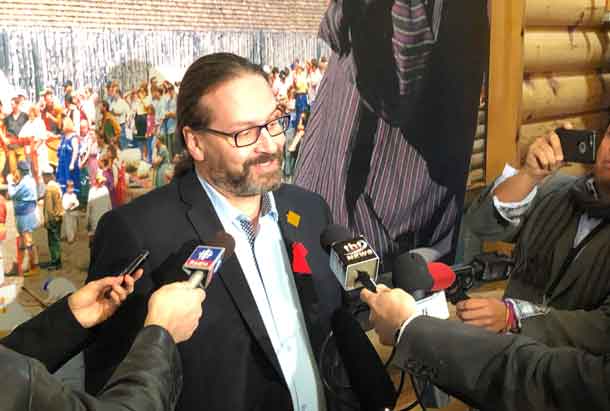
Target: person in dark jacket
[
  {"x": 150, "y": 377},
  {"x": 559, "y": 290},
  {"x": 487, "y": 370}
]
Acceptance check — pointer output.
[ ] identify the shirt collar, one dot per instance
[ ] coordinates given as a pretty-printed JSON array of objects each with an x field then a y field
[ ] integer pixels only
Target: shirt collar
[{"x": 226, "y": 210}]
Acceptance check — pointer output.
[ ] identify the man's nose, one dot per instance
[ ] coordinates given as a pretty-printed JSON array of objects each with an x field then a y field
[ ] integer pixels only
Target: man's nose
[{"x": 266, "y": 142}]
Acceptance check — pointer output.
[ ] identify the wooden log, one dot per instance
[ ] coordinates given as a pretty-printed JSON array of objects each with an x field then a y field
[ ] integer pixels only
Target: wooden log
[
  {"x": 481, "y": 131},
  {"x": 565, "y": 50},
  {"x": 476, "y": 161},
  {"x": 478, "y": 146},
  {"x": 482, "y": 117},
  {"x": 475, "y": 177},
  {"x": 564, "y": 12},
  {"x": 549, "y": 96}
]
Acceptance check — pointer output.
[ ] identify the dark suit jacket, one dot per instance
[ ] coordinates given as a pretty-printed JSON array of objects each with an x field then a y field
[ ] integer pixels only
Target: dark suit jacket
[
  {"x": 502, "y": 372},
  {"x": 229, "y": 363},
  {"x": 149, "y": 379}
]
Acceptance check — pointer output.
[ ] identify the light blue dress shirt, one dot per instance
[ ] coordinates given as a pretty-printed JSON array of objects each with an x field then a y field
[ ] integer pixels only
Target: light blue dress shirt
[{"x": 276, "y": 297}]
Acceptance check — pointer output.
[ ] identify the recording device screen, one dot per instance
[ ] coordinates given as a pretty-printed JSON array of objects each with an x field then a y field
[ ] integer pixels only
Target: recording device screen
[{"x": 578, "y": 146}]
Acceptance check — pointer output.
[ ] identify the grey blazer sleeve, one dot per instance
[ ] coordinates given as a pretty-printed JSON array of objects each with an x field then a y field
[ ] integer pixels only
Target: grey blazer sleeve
[
  {"x": 150, "y": 378},
  {"x": 502, "y": 372},
  {"x": 485, "y": 222},
  {"x": 587, "y": 330}
]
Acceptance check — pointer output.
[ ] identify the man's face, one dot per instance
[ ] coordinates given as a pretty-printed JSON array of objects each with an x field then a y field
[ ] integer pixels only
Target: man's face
[
  {"x": 15, "y": 105},
  {"x": 241, "y": 171},
  {"x": 48, "y": 99},
  {"x": 602, "y": 164}
]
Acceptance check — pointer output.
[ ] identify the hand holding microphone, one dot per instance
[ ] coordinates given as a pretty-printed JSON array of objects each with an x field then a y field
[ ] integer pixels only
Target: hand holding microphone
[
  {"x": 177, "y": 308},
  {"x": 390, "y": 308}
]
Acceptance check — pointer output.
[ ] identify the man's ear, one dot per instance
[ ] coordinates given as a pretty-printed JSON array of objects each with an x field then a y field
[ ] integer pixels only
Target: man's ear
[{"x": 193, "y": 144}]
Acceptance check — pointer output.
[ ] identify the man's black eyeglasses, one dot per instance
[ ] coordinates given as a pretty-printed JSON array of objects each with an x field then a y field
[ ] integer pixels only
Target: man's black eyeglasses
[{"x": 250, "y": 135}]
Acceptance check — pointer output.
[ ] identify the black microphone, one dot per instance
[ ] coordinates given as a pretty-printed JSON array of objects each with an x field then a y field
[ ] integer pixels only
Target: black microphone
[
  {"x": 205, "y": 260},
  {"x": 352, "y": 259},
  {"x": 367, "y": 375},
  {"x": 417, "y": 277}
]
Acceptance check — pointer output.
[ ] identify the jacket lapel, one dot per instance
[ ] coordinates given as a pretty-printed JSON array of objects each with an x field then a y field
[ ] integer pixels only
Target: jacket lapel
[
  {"x": 304, "y": 281},
  {"x": 206, "y": 223},
  {"x": 562, "y": 251}
]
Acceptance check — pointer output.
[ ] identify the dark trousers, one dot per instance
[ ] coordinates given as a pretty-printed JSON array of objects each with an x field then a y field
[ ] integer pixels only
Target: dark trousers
[{"x": 53, "y": 234}]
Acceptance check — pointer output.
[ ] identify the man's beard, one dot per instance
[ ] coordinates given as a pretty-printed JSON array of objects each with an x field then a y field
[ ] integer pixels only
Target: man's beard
[{"x": 242, "y": 184}]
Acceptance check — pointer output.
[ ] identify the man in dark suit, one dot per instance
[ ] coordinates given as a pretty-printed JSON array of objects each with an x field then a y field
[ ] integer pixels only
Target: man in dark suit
[
  {"x": 486, "y": 370},
  {"x": 268, "y": 307}
]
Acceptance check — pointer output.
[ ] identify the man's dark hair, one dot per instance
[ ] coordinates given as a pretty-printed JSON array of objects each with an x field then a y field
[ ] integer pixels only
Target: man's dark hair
[{"x": 202, "y": 77}]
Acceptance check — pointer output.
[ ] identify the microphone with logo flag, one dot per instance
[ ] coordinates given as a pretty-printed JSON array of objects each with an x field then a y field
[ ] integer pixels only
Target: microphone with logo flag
[
  {"x": 205, "y": 260},
  {"x": 355, "y": 265},
  {"x": 352, "y": 259}
]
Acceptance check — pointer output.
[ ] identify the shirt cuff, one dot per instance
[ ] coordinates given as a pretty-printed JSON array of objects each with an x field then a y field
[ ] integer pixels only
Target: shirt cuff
[
  {"x": 512, "y": 212},
  {"x": 525, "y": 309},
  {"x": 402, "y": 328}
]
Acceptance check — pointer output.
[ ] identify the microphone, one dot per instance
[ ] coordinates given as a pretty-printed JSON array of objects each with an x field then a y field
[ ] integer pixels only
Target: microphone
[
  {"x": 369, "y": 380},
  {"x": 352, "y": 260},
  {"x": 426, "y": 282},
  {"x": 205, "y": 260},
  {"x": 418, "y": 278}
]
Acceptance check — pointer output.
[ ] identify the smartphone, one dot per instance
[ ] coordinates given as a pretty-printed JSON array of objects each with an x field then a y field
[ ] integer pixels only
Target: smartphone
[
  {"x": 136, "y": 263},
  {"x": 131, "y": 268},
  {"x": 578, "y": 146}
]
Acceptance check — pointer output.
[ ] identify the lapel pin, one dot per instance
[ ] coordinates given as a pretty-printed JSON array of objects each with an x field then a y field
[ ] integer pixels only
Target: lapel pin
[{"x": 293, "y": 219}]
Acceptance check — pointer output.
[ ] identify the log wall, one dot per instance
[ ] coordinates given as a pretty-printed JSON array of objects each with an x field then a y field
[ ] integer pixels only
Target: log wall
[{"x": 566, "y": 68}]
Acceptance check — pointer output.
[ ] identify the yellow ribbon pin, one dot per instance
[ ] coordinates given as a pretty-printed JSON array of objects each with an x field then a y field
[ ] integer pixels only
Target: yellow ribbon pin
[{"x": 293, "y": 219}]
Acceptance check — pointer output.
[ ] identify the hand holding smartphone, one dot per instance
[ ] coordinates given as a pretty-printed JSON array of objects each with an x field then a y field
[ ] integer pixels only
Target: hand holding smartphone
[
  {"x": 578, "y": 146},
  {"x": 132, "y": 267}
]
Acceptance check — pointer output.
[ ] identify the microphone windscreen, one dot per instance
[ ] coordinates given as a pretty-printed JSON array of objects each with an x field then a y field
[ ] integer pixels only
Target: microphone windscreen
[
  {"x": 411, "y": 273},
  {"x": 368, "y": 377},
  {"x": 334, "y": 233},
  {"x": 442, "y": 275}
]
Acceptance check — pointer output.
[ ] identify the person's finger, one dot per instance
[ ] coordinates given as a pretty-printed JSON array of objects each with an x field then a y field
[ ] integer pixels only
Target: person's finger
[
  {"x": 484, "y": 322},
  {"x": 550, "y": 155},
  {"x": 104, "y": 283},
  {"x": 541, "y": 159},
  {"x": 137, "y": 274},
  {"x": 568, "y": 126},
  {"x": 556, "y": 146},
  {"x": 367, "y": 296},
  {"x": 129, "y": 284},
  {"x": 473, "y": 315},
  {"x": 114, "y": 297},
  {"x": 383, "y": 288},
  {"x": 472, "y": 304},
  {"x": 120, "y": 291}
]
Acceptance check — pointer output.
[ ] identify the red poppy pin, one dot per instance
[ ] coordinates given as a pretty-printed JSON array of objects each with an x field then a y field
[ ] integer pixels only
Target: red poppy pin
[{"x": 299, "y": 260}]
